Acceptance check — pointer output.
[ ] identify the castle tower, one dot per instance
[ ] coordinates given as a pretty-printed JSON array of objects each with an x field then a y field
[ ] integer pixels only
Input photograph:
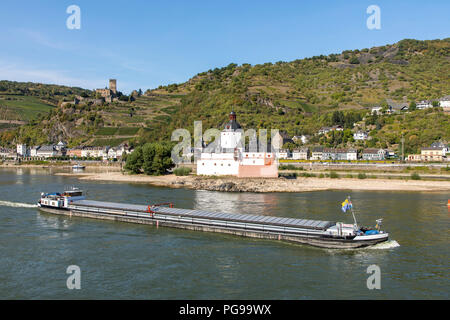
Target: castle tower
[
  {"x": 113, "y": 85},
  {"x": 230, "y": 137}
]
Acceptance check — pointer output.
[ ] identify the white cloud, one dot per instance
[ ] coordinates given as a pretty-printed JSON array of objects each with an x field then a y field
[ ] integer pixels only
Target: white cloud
[
  {"x": 44, "y": 40},
  {"x": 14, "y": 72}
]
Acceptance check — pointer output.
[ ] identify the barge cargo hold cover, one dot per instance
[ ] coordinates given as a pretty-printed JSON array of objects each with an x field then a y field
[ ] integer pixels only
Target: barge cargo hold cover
[{"x": 159, "y": 212}]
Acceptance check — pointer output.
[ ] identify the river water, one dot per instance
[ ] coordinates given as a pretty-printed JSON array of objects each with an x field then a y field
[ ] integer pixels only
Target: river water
[{"x": 129, "y": 261}]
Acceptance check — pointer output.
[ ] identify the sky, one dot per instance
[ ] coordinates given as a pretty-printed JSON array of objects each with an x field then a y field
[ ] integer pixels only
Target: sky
[{"x": 145, "y": 44}]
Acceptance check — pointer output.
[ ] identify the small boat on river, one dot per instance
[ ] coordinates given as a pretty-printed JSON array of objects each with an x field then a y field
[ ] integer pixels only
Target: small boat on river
[{"x": 78, "y": 167}]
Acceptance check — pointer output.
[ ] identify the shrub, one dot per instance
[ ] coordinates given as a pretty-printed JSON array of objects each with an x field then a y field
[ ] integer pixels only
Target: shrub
[
  {"x": 288, "y": 175},
  {"x": 415, "y": 176},
  {"x": 182, "y": 171},
  {"x": 289, "y": 167},
  {"x": 334, "y": 175},
  {"x": 307, "y": 175},
  {"x": 362, "y": 176}
]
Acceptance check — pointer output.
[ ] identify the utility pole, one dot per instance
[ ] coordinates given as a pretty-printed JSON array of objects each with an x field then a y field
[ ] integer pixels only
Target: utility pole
[{"x": 403, "y": 148}]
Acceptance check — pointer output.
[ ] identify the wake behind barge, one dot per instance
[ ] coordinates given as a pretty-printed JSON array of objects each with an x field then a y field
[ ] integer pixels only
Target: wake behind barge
[{"x": 325, "y": 234}]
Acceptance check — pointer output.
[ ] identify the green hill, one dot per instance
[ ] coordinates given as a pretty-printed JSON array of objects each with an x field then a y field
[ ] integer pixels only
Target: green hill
[{"x": 298, "y": 97}]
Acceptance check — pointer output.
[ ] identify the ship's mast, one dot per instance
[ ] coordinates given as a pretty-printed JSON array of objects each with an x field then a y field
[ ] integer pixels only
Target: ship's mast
[{"x": 353, "y": 214}]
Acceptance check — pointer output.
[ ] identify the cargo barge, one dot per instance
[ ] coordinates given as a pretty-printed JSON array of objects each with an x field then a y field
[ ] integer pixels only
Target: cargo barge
[{"x": 325, "y": 234}]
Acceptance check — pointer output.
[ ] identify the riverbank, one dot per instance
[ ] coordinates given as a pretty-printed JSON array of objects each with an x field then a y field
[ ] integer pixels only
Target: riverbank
[
  {"x": 61, "y": 165},
  {"x": 301, "y": 184}
]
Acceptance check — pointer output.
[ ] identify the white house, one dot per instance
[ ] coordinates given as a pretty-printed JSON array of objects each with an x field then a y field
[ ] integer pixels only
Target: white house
[
  {"x": 317, "y": 153},
  {"x": 445, "y": 147},
  {"x": 22, "y": 150},
  {"x": 303, "y": 139},
  {"x": 444, "y": 102},
  {"x": 324, "y": 130},
  {"x": 95, "y": 152},
  {"x": 118, "y": 152},
  {"x": 33, "y": 151},
  {"x": 46, "y": 151},
  {"x": 373, "y": 154},
  {"x": 61, "y": 146},
  {"x": 360, "y": 135},
  {"x": 230, "y": 159},
  {"x": 339, "y": 154},
  {"x": 113, "y": 153},
  {"x": 7, "y": 153},
  {"x": 300, "y": 154},
  {"x": 424, "y": 104},
  {"x": 352, "y": 154},
  {"x": 283, "y": 154},
  {"x": 376, "y": 110}
]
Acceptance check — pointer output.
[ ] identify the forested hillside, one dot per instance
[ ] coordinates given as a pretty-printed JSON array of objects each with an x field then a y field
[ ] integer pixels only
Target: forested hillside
[{"x": 298, "y": 97}]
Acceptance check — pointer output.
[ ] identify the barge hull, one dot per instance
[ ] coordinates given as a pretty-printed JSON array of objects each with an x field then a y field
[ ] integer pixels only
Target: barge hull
[{"x": 312, "y": 239}]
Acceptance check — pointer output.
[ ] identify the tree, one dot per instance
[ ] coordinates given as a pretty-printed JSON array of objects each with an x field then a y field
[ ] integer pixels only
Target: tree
[
  {"x": 152, "y": 159},
  {"x": 412, "y": 106},
  {"x": 157, "y": 158},
  {"x": 289, "y": 145},
  {"x": 354, "y": 60},
  {"x": 134, "y": 161}
]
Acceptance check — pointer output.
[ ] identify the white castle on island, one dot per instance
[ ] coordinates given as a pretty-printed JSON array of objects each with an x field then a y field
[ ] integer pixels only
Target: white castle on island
[{"x": 230, "y": 157}]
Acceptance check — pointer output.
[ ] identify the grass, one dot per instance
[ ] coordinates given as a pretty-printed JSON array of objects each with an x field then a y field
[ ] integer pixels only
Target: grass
[
  {"x": 106, "y": 131},
  {"x": 23, "y": 108},
  {"x": 113, "y": 142},
  {"x": 289, "y": 167},
  {"x": 8, "y": 125},
  {"x": 162, "y": 118},
  {"x": 127, "y": 131}
]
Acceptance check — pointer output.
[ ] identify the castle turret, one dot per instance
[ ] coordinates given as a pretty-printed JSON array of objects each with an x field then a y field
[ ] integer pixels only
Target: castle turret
[{"x": 232, "y": 124}]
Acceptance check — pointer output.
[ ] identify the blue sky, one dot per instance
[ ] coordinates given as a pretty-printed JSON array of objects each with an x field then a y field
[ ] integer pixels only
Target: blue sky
[{"x": 145, "y": 44}]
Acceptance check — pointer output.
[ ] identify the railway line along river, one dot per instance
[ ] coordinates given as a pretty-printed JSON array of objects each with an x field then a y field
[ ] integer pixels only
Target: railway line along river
[{"x": 131, "y": 261}]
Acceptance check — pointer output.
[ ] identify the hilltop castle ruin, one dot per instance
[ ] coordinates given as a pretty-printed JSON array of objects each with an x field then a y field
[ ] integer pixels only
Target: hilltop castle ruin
[{"x": 109, "y": 94}]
